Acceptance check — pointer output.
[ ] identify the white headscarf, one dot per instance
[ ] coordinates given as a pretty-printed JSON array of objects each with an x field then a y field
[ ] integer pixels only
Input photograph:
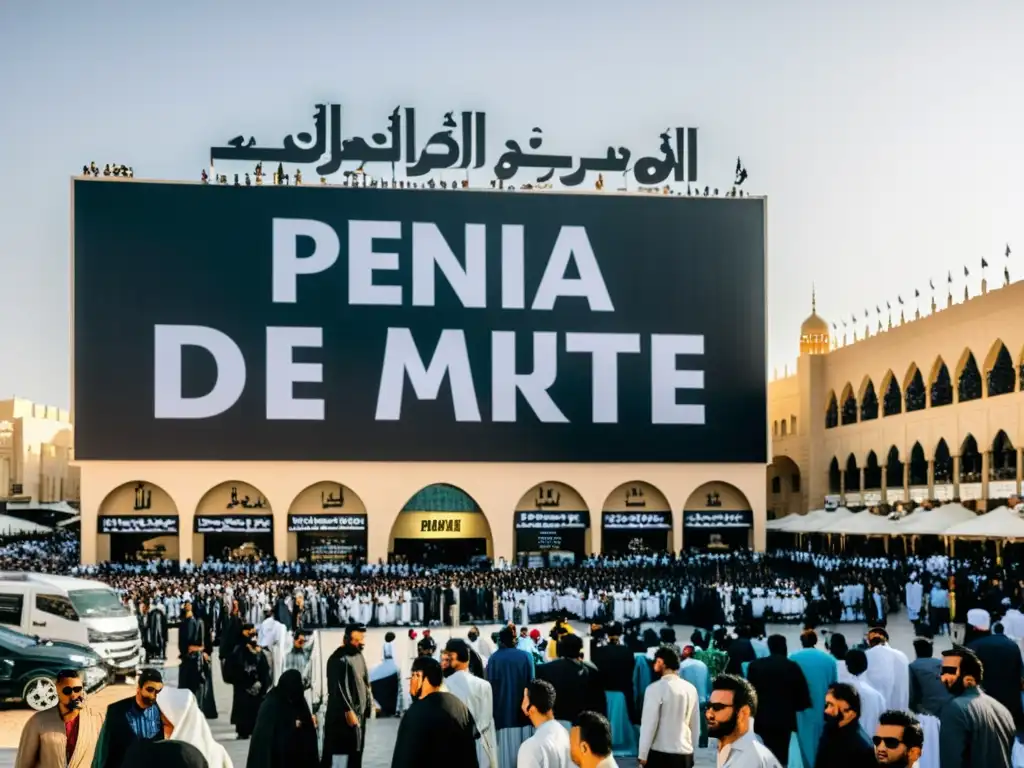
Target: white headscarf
[{"x": 180, "y": 708}]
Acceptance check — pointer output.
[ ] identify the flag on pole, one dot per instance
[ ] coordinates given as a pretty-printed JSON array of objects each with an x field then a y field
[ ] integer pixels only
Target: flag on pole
[
  {"x": 949, "y": 277},
  {"x": 917, "y": 294},
  {"x": 983, "y": 262},
  {"x": 931, "y": 284},
  {"x": 1007, "y": 250},
  {"x": 900, "y": 300}
]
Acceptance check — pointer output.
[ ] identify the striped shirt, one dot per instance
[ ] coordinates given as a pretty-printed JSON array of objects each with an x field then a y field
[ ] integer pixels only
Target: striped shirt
[{"x": 145, "y": 723}]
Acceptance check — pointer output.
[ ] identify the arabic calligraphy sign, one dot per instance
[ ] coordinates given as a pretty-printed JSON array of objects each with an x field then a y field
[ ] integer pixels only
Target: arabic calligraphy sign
[
  {"x": 553, "y": 520},
  {"x": 677, "y": 161},
  {"x": 700, "y": 519},
  {"x": 325, "y": 523},
  {"x": 649, "y": 521},
  {"x": 234, "y": 524},
  {"x": 148, "y": 524},
  {"x": 436, "y": 327}
]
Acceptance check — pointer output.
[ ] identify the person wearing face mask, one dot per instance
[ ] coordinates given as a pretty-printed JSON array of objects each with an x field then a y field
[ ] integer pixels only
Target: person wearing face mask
[
  {"x": 843, "y": 742},
  {"x": 349, "y": 702},
  {"x": 438, "y": 729},
  {"x": 898, "y": 739},
  {"x": 248, "y": 671},
  {"x": 975, "y": 730},
  {"x": 64, "y": 736},
  {"x": 729, "y": 714},
  {"x": 136, "y": 718}
]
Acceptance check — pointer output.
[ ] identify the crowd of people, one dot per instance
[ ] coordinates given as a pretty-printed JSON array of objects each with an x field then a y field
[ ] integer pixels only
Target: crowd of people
[{"x": 820, "y": 706}]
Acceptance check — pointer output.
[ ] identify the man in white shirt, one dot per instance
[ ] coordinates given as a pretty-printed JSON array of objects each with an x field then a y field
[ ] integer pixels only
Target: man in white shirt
[
  {"x": 872, "y": 703},
  {"x": 549, "y": 745},
  {"x": 888, "y": 670},
  {"x": 730, "y": 713},
  {"x": 590, "y": 741},
  {"x": 478, "y": 697},
  {"x": 670, "y": 723}
]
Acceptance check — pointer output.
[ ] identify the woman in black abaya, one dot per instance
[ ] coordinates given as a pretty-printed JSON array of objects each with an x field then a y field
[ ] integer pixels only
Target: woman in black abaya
[{"x": 284, "y": 733}]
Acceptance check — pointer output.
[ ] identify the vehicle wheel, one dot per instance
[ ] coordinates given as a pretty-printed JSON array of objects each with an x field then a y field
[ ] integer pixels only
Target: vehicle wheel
[{"x": 40, "y": 693}]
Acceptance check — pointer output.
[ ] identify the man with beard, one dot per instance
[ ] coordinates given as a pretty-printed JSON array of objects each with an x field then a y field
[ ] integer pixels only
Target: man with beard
[
  {"x": 975, "y": 730},
  {"x": 843, "y": 742},
  {"x": 349, "y": 703},
  {"x": 438, "y": 729},
  {"x": 249, "y": 674},
  {"x": 733, "y": 704},
  {"x": 64, "y": 736},
  {"x": 476, "y": 694},
  {"x": 898, "y": 739},
  {"x": 136, "y": 718}
]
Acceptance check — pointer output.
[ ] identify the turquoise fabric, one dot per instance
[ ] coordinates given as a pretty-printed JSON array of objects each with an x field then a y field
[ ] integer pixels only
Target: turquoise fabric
[
  {"x": 643, "y": 676},
  {"x": 624, "y": 737},
  {"x": 820, "y": 671}
]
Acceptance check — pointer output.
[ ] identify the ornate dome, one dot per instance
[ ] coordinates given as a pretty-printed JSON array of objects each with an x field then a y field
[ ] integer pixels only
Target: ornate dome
[{"x": 814, "y": 325}]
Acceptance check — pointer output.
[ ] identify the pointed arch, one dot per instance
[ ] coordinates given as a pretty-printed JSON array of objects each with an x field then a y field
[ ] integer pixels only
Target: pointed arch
[
  {"x": 848, "y": 406},
  {"x": 943, "y": 463},
  {"x": 893, "y": 469},
  {"x": 968, "y": 378},
  {"x": 913, "y": 390},
  {"x": 852, "y": 473},
  {"x": 834, "y": 476},
  {"x": 872, "y": 472},
  {"x": 892, "y": 395},
  {"x": 970, "y": 460},
  {"x": 832, "y": 411},
  {"x": 1000, "y": 376},
  {"x": 918, "y": 466},
  {"x": 1004, "y": 458},
  {"x": 940, "y": 385},
  {"x": 868, "y": 402}
]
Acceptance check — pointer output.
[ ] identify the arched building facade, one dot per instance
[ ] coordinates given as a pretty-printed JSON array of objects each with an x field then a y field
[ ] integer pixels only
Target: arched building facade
[
  {"x": 926, "y": 409},
  {"x": 321, "y": 509}
]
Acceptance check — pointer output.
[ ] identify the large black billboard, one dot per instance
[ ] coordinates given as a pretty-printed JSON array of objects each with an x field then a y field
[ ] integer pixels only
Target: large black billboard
[{"x": 339, "y": 324}]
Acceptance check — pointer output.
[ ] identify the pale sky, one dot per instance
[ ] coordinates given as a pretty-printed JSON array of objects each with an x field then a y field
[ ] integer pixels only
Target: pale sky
[{"x": 888, "y": 137}]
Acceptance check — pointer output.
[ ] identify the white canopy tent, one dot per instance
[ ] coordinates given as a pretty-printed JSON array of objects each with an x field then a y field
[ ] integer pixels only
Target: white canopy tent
[
  {"x": 819, "y": 521},
  {"x": 935, "y": 522},
  {"x": 13, "y": 526},
  {"x": 1000, "y": 523},
  {"x": 862, "y": 524}
]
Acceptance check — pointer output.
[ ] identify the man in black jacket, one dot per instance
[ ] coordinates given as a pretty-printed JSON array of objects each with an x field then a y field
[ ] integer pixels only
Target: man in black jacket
[
  {"x": 843, "y": 742},
  {"x": 136, "y": 718},
  {"x": 781, "y": 692},
  {"x": 576, "y": 683},
  {"x": 1001, "y": 659},
  {"x": 349, "y": 701}
]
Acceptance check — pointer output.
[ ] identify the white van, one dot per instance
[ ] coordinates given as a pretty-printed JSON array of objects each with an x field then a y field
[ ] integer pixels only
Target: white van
[{"x": 79, "y": 610}]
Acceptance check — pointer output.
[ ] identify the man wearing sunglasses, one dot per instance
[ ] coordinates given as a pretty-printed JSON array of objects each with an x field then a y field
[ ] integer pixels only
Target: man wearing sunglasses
[
  {"x": 898, "y": 739},
  {"x": 975, "y": 729},
  {"x": 64, "y": 736},
  {"x": 136, "y": 718},
  {"x": 730, "y": 713}
]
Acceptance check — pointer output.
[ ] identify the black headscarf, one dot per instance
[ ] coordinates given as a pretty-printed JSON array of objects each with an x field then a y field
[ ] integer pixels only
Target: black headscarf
[{"x": 284, "y": 735}]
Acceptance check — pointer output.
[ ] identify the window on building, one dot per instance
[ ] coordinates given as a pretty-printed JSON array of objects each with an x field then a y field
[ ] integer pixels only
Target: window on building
[
  {"x": 792, "y": 425},
  {"x": 795, "y": 483},
  {"x": 783, "y": 425},
  {"x": 776, "y": 485}
]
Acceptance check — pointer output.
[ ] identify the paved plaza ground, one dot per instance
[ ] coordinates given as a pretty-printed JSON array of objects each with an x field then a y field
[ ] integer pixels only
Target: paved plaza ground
[{"x": 382, "y": 732}]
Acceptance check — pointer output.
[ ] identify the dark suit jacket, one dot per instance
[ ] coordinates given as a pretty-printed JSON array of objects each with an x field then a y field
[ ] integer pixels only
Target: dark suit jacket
[
  {"x": 615, "y": 667},
  {"x": 1003, "y": 671},
  {"x": 577, "y": 687},
  {"x": 117, "y": 735},
  {"x": 781, "y": 692}
]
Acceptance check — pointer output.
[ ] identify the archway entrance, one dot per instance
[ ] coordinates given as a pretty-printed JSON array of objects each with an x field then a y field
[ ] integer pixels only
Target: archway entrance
[
  {"x": 636, "y": 518},
  {"x": 233, "y": 521},
  {"x": 552, "y": 526},
  {"x": 717, "y": 516},
  {"x": 441, "y": 525},
  {"x": 137, "y": 521},
  {"x": 784, "y": 494},
  {"x": 327, "y": 522}
]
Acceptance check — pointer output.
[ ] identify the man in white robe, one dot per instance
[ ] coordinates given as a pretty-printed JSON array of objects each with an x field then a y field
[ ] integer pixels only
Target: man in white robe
[
  {"x": 273, "y": 637},
  {"x": 872, "y": 703},
  {"x": 476, "y": 694},
  {"x": 888, "y": 670}
]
